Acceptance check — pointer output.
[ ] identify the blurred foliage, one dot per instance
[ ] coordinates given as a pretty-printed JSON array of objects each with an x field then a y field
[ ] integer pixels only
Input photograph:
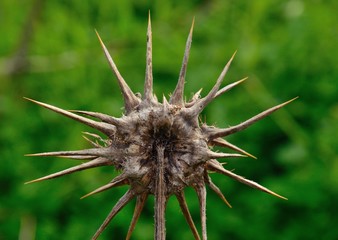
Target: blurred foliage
[{"x": 49, "y": 52}]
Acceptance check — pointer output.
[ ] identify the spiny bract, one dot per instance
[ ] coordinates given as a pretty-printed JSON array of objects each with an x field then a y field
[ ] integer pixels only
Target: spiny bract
[{"x": 159, "y": 148}]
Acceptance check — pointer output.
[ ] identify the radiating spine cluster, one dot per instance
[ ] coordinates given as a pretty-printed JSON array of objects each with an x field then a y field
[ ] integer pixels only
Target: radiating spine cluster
[{"x": 159, "y": 148}]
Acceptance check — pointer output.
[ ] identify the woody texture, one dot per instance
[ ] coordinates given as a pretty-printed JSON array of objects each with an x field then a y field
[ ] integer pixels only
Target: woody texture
[{"x": 158, "y": 147}]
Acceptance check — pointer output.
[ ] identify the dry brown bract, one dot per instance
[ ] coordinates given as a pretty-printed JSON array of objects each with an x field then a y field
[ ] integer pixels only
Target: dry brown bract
[{"x": 159, "y": 148}]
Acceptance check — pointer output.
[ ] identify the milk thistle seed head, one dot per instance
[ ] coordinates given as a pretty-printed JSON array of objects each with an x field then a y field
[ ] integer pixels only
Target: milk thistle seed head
[{"x": 158, "y": 148}]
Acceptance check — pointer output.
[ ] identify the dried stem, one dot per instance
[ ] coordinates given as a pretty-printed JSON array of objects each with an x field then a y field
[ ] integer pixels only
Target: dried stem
[
  {"x": 202, "y": 198},
  {"x": 160, "y": 196}
]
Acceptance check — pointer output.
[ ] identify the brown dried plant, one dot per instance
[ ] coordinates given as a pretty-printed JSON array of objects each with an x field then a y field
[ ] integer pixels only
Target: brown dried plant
[{"x": 158, "y": 148}]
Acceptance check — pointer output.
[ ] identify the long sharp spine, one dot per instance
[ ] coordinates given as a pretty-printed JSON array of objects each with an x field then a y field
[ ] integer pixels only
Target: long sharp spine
[
  {"x": 247, "y": 123},
  {"x": 103, "y": 117},
  {"x": 213, "y": 165},
  {"x": 140, "y": 202},
  {"x": 177, "y": 96},
  {"x": 217, "y": 191},
  {"x": 91, "y": 152},
  {"x": 202, "y": 103},
  {"x": 228, "y": 87},
  {"x": 148, "y": 84},
  {"x": 94, "y": 163},
  {"x": 118, "y": 181},
  {"x": 130, "y": 99},
  {"x": 223, "y": 143},
  {"x": 118, "y": 206},
  {"x": 185, "y": 210},
  {"x": 101, "y": 126}
]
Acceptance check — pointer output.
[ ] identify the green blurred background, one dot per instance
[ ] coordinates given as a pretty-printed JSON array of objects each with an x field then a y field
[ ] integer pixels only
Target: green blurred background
[{"x": 49, "y": 52}]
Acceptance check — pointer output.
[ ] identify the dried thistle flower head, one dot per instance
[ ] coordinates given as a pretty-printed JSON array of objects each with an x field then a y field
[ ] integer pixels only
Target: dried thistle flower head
[{"x": 159, "y": 148}]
